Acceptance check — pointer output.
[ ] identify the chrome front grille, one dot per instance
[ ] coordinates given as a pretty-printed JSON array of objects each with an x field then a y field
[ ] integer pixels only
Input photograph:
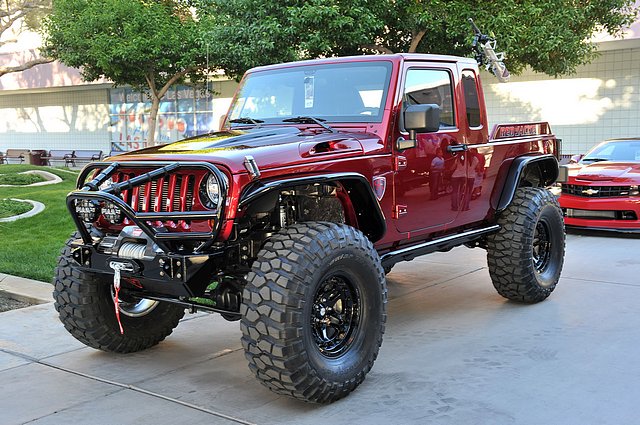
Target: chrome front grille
[{"x": 596, "y": 191}]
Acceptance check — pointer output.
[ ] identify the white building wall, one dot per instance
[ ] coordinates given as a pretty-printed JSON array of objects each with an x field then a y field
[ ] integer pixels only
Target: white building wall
[
  {"x": 59, "y": 119},
  {"x": 600, "y": 101}
]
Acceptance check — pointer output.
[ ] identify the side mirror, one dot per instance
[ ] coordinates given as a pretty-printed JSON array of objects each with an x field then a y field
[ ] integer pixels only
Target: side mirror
[
  {"x": 575, "y": 158},
  {"x": 422, "y": 119}
]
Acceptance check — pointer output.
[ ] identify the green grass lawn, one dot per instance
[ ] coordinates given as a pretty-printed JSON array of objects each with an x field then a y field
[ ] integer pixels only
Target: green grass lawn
[
  {"x": 29, "y": 247},
  {"x": 9, "y": 207}
]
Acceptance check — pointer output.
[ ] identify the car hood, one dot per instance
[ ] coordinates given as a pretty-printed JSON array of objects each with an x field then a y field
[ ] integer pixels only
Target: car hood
[
  {"x": 271, "y": 147},
  {"x": 616, "y": 172}
]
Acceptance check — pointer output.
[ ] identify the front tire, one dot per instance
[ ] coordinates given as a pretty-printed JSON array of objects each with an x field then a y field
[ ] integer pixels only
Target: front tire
[
  {"x": 84, "y": 302},
  {"x": 525, "y": 257},
  {"x": 313, "y": 311}
]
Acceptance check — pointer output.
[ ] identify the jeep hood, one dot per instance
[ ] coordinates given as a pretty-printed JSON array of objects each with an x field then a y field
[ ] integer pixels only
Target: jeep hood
[
  {"x": 618, "y": 172},
  {"x": 271, "y": 147}
]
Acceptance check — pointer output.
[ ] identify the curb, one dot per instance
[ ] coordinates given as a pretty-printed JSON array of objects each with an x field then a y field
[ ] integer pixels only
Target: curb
[{"x": 27, "y": 290}]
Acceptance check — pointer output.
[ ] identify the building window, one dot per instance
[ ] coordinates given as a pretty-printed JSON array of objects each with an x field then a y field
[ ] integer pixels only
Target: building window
[{"x": 185, "y": 111}]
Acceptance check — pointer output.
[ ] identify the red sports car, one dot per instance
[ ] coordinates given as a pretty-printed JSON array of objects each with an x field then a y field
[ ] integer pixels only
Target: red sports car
[{"x": 602, "y": 191}]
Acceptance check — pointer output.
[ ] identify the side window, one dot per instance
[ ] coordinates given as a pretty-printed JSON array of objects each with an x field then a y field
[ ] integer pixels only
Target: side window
[
  {"x": 431, "y": 86},
  {"x": 471, "y": 98}
]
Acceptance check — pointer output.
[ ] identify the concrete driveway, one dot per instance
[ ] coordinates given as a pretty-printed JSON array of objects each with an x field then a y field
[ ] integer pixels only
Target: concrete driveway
[{"x": 454, "y": 352}]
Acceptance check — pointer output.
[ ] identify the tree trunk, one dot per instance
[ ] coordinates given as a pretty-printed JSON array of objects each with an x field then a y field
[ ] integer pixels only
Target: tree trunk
[
  {"x": 156, "y": 96},
  {"x": 415, "y": 41},
  {"x": 153, "y": 118}
]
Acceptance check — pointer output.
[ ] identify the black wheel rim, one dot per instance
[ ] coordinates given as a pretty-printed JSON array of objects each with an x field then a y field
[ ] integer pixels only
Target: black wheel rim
[
  {"x": 541, "y": 246},
  {"x": 335, "y": 316}
]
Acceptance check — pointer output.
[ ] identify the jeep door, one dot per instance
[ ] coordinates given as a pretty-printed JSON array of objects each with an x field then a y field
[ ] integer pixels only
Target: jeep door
[{"x": 429, "y": 178}]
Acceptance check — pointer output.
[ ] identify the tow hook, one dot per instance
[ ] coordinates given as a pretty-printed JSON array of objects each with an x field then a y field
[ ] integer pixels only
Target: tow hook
[{"x": 117, "y": 267}]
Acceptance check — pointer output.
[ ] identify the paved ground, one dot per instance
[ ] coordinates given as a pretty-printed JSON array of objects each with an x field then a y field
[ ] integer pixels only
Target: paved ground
[{"x": 454, "y": 353}]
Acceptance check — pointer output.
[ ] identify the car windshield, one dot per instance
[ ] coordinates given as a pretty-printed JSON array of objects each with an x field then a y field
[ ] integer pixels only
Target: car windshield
[
  {"x": 615, "y": 150},
  {"x": 344, "y": 92}
]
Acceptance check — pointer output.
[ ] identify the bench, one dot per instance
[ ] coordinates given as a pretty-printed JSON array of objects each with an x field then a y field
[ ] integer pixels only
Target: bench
[
  {"x": 59, "y": 155},
  {"x": 20, "y": 155},
  {"x": 114, "y": 153},
  {"x": 86, "y": 156}
]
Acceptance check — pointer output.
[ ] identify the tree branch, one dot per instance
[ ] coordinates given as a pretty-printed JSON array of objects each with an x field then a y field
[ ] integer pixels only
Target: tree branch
[
  {"x": 6, "y": 24},
  {"x": 376, "y": 48},
  {"x": 30, "y": 64},
  {"x": 175, "y": 78},
  {"x": 8, "y": 41},
  {"x": 415, "y": 40},
  {"x": 151, "y": 82}
]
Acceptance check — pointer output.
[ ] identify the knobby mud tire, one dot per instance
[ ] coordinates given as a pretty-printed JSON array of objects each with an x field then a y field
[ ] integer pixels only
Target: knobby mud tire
[
  {"x": 85, "y": 307},
  {"x": 523, "y": 268},
  {"x": 280, "y": 310}
]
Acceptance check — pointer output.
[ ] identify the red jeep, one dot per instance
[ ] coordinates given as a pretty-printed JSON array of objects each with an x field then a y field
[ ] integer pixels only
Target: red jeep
[{"x": 328, "y": 173}]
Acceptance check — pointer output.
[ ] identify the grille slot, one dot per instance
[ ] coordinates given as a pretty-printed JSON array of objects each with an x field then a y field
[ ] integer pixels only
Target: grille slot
[
  {"x": 176, "y": 203},
  {"x": 596, "y": 191},
  {"x": 161, "y": 195}
]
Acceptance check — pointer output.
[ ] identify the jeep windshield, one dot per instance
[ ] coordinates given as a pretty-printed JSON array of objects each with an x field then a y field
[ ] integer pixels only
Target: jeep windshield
[{"x": 342, "y": 92}]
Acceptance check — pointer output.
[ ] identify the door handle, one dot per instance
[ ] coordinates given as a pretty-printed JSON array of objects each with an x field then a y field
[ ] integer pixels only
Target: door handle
[{"x": 457, "y": 148}]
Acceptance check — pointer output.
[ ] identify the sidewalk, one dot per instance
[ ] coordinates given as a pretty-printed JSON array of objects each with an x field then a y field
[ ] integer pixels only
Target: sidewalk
[
  {"x": 454, "y": 353},
  {"x": 27, "y": 290}
]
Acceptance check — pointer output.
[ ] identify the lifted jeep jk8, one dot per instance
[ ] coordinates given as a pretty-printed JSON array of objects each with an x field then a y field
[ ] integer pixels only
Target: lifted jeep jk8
[{"x": 327, "y": 173}]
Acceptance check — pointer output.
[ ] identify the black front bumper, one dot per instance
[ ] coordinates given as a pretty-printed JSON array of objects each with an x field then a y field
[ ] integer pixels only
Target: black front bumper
[{"x": 172, "y": 275}]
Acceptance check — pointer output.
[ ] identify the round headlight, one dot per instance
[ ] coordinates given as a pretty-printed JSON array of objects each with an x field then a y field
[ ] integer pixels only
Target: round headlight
[
  {"x": 112, "y": 213},
  {"x": 210, "y": 192},
  {"x": 87, "y": 210}
]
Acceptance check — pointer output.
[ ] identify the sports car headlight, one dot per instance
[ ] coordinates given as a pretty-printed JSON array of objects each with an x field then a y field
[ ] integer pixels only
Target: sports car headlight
[
  {"x": 210, "y": 192},
  {"x": 634, "y": 191}
]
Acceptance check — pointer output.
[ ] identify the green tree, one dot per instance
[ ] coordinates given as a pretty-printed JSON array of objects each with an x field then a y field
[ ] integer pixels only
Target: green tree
[
  {"x": 149, "y": 45},
  {"x": 550, "y": 36},
  {"x": 15, "y": 16}
]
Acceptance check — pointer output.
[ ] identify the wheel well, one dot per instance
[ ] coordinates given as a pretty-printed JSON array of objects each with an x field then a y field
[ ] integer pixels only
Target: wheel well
[
  {"x": 526, "y": 171},
  {"x": 538, "y": 174},
  {"x": 349, "y": 200}
]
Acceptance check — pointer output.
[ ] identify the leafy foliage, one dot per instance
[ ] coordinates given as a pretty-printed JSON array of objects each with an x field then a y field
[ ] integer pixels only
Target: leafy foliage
[
  {"x": 9, "y": 207},
  {"x": 550, "y": 36},
  {"x": 20, "y": 179},
  {"x": 148, "y": 45}
]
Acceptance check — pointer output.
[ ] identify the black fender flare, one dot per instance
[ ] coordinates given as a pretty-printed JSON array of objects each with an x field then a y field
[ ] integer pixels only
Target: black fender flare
[
  {"x": 371, "y": 220},
  {"x": 549, "y": 171}
]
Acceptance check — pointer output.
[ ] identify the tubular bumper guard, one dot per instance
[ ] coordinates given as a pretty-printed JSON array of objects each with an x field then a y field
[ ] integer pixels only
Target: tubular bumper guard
[{"x": 90, "y": 190}]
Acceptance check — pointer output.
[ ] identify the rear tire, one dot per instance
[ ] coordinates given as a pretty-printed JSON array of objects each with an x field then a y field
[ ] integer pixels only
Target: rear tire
[
  {"x": 525, "y": 257},
  {"x": 84, "y": 302},
  {"x": 313, "y": 311}
]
